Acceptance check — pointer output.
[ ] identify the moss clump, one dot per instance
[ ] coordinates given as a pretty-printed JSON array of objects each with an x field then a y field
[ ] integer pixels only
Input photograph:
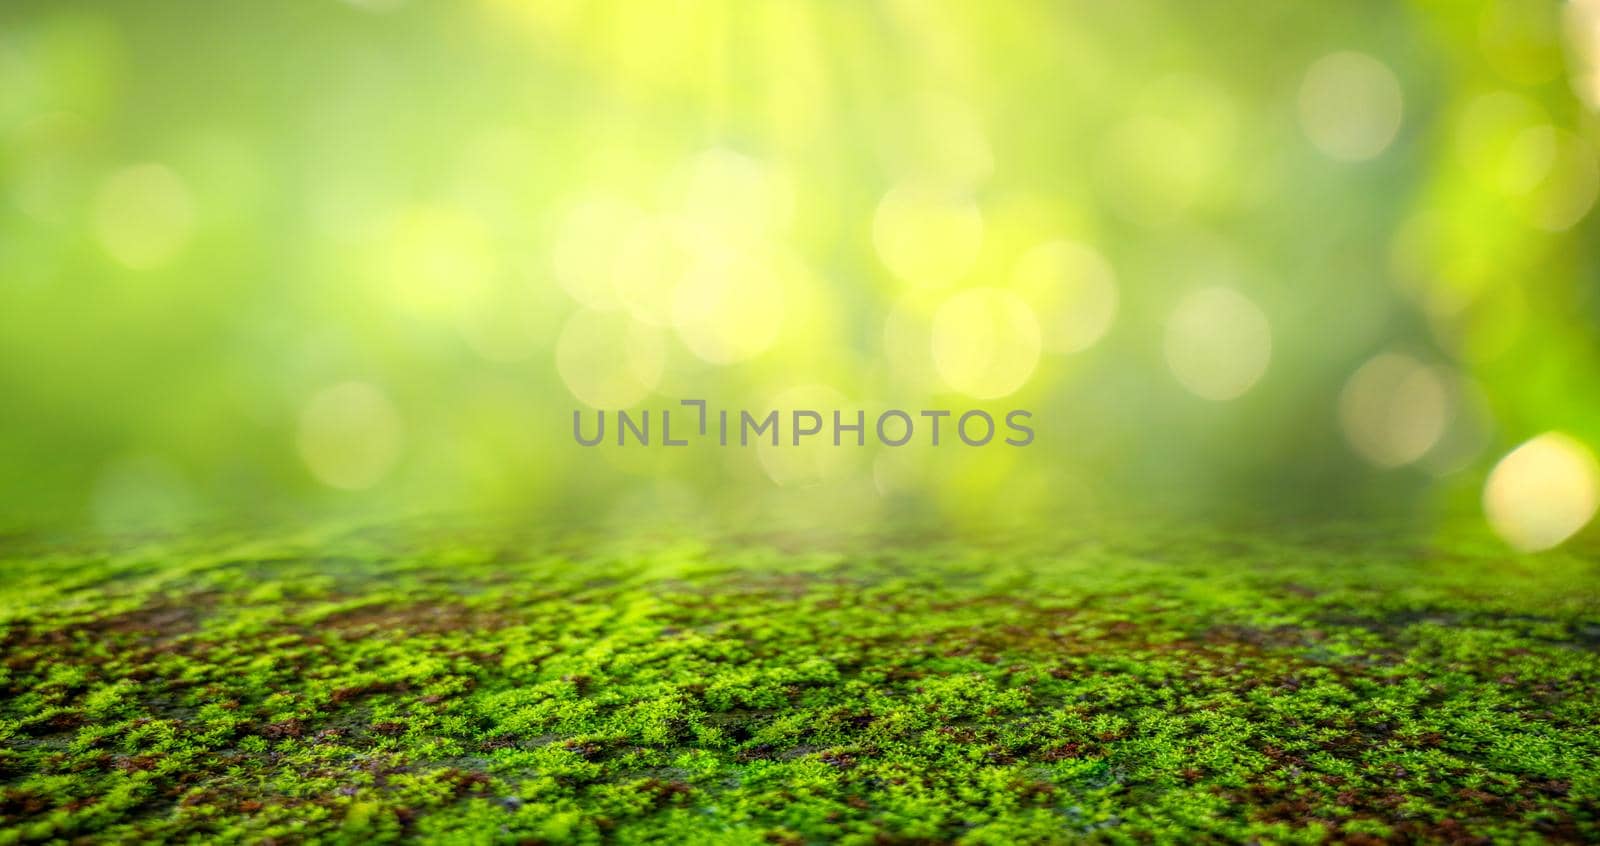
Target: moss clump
[{"x": 468, "y": 686}]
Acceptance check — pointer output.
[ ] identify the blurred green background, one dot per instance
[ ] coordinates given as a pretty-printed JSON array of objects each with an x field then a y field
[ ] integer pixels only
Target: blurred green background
[{"x": 298, "y": 256}]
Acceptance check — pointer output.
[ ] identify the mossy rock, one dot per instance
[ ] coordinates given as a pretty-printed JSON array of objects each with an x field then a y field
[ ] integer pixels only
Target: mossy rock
[{"x": 1126, "y": 684}]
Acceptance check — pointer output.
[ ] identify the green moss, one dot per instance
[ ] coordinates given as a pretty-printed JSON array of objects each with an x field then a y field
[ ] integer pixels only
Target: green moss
[{"x": 1126, "y": 685}]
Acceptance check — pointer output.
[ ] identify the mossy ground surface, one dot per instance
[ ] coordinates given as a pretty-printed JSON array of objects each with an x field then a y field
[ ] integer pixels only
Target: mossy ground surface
[{"x": 1131, "y": 685}]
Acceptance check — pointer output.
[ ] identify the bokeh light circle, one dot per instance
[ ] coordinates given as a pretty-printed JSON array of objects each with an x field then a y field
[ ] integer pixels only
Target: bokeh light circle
[
  {"x": 1394, "y": 409},
  {"x": 350, "y": 435},
  {"x": 735, "y": 193},
  {"x": 438, "y": 263},
  {"x": 1350, "y": 106},
  {"x": 608, "y": 360},
  {"x": 815, "y": 459},
  {"x": 144, "y": 215},
  {"x": 1521, "y": 40},
  {"x": 728, "y": 311},
  {"x": 1072, "y": 289},
  {"x": 1218, "y": 343},
  {"x": 985, "y": 342},
  {"x": 1164, "y": 159},
  {"x": 1583, "y": 38},
  {"x": 941, "y": 136},
  {"x": 927, "y": 236},
  {"x": 585, "y": 248},
  {"x": 650, "y": 261},
  {"x": 1493, "y": 140},
  {"x": 1542, "y": 492},
  {"x": 1561, "y": 177}
]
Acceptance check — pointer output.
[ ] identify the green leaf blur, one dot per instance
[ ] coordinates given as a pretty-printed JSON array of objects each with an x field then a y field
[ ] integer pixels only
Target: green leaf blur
[{"x": 324, "y": 255}]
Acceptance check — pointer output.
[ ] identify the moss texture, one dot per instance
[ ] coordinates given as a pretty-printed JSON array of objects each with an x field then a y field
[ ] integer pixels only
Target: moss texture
[{"x": 1137, "y": 685}]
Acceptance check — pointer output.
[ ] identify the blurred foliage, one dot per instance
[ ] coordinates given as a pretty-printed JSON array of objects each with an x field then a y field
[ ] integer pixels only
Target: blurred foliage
[{"x": 321, "y": 254}]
